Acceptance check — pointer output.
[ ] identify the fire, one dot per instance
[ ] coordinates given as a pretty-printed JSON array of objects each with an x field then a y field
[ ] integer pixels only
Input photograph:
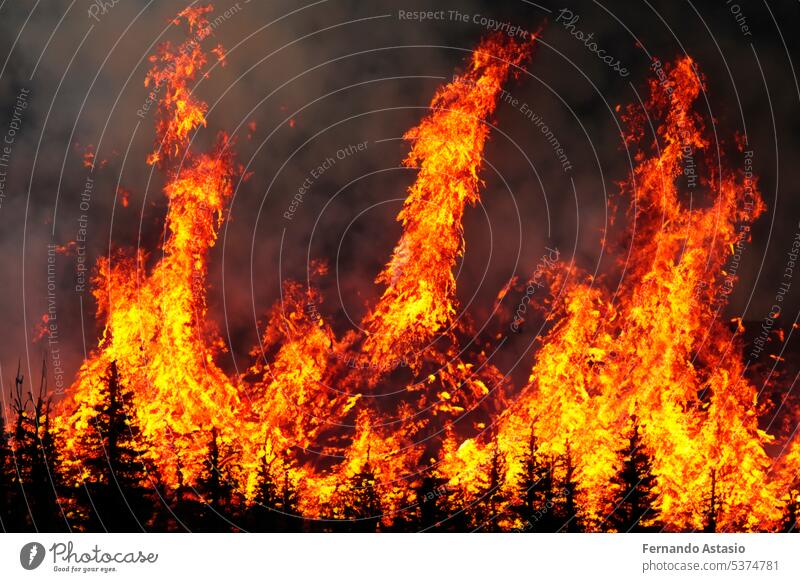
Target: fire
[
  {"x": 447, "y": 147},
  {"x": 648, "y": 374},
  {"x": 156, "y": 331},
  {"x": 657, "y": 349}
]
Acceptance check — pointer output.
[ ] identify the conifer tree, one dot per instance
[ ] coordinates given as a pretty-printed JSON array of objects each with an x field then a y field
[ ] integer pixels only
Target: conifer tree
[
  {"x": 713, "y": 506},
  {"x": 274, "y": 508},
  {"x": 488, "y": 508},
  {"x": 536, "y": 492},
  {"x": 214, "y": 489},
  {"x": 570, "y": 518},
  {"x": 431, "y": 500},
  {"x": 791, "y": 515},
  {"x": 634, "y": 502},
  {"x": 118, "y": 485},
  {"x": 37, "y": 474},
  {"x": 363, "y": 502}
]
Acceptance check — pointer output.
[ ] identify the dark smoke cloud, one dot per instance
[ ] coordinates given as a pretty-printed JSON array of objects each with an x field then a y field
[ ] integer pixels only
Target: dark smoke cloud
[{"x": 347, "y": 73}]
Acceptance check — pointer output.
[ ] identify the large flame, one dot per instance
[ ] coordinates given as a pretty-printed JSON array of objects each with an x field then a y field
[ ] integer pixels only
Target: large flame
[
  {"x": 419, "y": 300},
  {"x": 652, "y": 358},
  {"x": 156, "y": 329},
  {"x": 657, "y": 348}
]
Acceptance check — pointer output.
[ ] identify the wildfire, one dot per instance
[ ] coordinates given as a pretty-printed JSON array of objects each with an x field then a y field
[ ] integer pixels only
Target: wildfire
[
  {"x": 657, "y": 349},
  {"x": 447, "y": 147},
  {"x": 156, "y": 331},
  {"x": 651, "y": 368}
]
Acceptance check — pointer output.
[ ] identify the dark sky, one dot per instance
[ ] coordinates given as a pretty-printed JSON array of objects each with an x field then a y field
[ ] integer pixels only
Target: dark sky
[{"x": 348, "y": 72}]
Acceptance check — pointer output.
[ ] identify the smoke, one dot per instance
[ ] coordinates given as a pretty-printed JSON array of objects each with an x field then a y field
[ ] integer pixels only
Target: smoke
[{"x": 303, "y": 83}]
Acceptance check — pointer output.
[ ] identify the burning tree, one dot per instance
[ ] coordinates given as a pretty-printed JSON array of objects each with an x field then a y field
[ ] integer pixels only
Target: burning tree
[
  {"x": 301, "y": 434},
  {"x": 537, "y": 506},
  {"x": 156, "y": 330},
  {"x": 35, "y": 470},
  {"x": 111, "y": 471},
  {"x": 791, "y": 519},
  {"x": 634, "y": 506}
]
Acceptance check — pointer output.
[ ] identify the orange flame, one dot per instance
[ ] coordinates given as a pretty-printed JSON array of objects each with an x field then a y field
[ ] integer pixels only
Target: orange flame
[
  {"x": 419, "y": 300},
  {"x": 156, "y": 330},
  {"x": 656, "y": 350}
]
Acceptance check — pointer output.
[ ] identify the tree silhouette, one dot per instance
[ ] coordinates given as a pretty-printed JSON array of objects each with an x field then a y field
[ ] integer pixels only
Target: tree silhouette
[
  {"x": 537, "y": 496},
  {"x": 571, "y": 520},
  {"x": 488, "y": 508},
  {"x": 214, "y": 490},
  {"x": 713, "y": 507},
  {"x": 431, "y": 499},
  {"x": 37, "y": 471},
  {"x": 363, "y": 506},
  {"x": 274, "y": 508},
  {"x": 634, "y": 503},
  {"x": 791, "y": 515},
  {"x": 116, "y": 481}
]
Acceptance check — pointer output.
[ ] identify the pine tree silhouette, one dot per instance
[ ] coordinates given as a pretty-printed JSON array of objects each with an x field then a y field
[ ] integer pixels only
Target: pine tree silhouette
[
  {"x": 571, "y": 520},
  {"x": 363, "y": 502},
  {"x": 37, "y": 467},
  {"x": 262, "y": 515},
  {"x": 537, "y": 497},
  {"x": 431, "y": 500},
  {"x": 289, "y": 498},
  {"x": 20, "y": 515},
  {"x": 214, "y": 490},
  {"x": 117, "y": 486},
  {"x": 791, "y": 515},
  {"x": 274, "y": 508},
  {"x": 634, "y": 503},
  {"x": 713, "y": 506},
  {"x": 487, "y": 510}
]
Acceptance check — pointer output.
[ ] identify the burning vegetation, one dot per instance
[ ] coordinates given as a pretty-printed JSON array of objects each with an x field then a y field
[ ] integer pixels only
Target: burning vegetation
[{"x": 637, "y": 414}]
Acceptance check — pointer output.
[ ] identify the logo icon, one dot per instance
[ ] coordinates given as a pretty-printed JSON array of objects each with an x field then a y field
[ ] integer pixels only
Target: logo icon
[{"x": 31, "y": 555}]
